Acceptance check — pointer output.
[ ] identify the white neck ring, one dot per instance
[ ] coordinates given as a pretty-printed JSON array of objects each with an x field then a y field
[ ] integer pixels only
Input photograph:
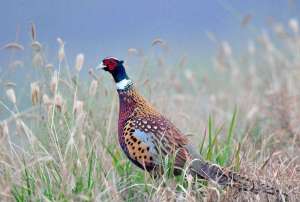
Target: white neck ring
[{"x": 121, "y": 85}]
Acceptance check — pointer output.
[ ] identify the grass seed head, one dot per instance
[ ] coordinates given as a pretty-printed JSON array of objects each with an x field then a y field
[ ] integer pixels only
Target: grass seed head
[
  {"x": 59, "y": 102},
  {"x": 226, "y": 48},
  {"x": 294, "y": 26},
  {"x": 36, "y": 46},
  {"x": 79, "y": 62},
  {"x": 54, "y": 82},
  {"x": 46, "y": 99},
  {"x": 11, "y": 95},
  {"x": 4, "y": 131},
  {"x": 61, "y": 50},
  {"x": 132, "y": 51},
  {"x": 38, "y": 60},
  {"x": 93, "y": 88},
  {"x": 78, "y": 107},
  {"x": 35, "y": 93}
]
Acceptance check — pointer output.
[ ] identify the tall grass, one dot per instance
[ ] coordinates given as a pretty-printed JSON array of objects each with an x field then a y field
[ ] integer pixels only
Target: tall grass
[{"x": 59, "y": 129}]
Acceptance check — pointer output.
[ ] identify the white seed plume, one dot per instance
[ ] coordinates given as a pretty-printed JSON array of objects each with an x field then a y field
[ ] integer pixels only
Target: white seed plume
[
  {"x": 79, "y": 62},
  {"x": 38, "y": 60},
  {"x": 46, "y": 99},
  {"x": 54, "y": 82},
  {"x": 35, "y": 93},
  {"x": 188, "y": 74},
  {"x": 293, "y": 24},
  {"x": 4, "y": 129},
  {"x": 132, "y": 51},
  {"x": 93, "y": 88},
  {"x": 78, "y": 107},
  {"x": 226, "y": 48},
  {"x": 59, "y": 102},
  {"x": 61, "y": 51},
  {"x": 11, "y": 95}
]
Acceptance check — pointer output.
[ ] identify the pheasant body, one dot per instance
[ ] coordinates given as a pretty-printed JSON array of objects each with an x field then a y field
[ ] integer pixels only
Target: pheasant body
[
  {"x": 143, "y": 133},
  {"x": 147, "y": 137}
]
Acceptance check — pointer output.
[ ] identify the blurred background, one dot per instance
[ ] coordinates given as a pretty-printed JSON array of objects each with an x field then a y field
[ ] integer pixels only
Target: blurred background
[{"x": 100, "y": 28}]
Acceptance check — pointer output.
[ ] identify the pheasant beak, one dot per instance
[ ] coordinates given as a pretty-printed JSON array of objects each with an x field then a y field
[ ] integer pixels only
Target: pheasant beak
[{"x": 101, "y": 66}]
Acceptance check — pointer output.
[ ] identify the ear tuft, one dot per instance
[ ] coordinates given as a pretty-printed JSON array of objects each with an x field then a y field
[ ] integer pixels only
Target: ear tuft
[{"x": 121, "y": 61}]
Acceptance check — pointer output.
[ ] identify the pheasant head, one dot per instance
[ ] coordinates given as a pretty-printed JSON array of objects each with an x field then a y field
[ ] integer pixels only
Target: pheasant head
[{"x": 116, "y": 68}]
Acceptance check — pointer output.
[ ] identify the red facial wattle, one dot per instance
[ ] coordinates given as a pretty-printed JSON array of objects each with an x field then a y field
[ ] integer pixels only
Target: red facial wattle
[{"x": 110, "y": 63}]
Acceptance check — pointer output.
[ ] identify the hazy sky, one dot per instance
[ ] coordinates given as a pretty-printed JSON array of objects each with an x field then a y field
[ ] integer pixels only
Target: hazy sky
[{"x": 101, "y": 28}]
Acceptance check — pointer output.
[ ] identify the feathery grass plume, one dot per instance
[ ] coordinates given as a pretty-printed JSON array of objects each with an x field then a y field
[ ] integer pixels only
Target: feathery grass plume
[
  {"x": 189, "y": 75},
  {"x": 46, "y": 99},
  {"x": 93, "y": 74},
  {"x": 38, "y": 60},
  {"x": 77, "y": 107},
  {"x": 54, "y": 82},
  {"x": 59, "y": 103},
  {"x": 35, "y": 93},
  {"x": 36, "y": 46},
  {"x": 4, "y": 131},
  {"x": 79, "y": 62},
  {"x": 132, "y": 51},
  {"x": 265, "y": 41},
  {"x": 13, "y": 46},
  {"x": 47, "y": 102},
  {"x": 33, "y": 31},
  {"x": 19, "y": 127},
  {"x": 222, "y": 60},
  {"x": 294, "y": 26},
  {"x": 226, "y": 48},
  {"x": 61, "y": 51},
  {"x": 49, "y": 66},
  {"x": 11, "y": 95},
  {"x": 93, "y": 88}
]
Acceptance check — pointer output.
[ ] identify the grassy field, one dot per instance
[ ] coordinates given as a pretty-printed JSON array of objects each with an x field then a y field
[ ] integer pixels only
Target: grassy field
[{"x": 244, "y": 115}]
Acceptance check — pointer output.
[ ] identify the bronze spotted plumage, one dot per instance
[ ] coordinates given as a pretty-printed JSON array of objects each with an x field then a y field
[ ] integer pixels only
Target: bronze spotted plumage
[{"x": 147, "y": 137}]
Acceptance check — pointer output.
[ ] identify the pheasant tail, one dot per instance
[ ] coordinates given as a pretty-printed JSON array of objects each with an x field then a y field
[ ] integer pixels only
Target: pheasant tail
[{"x": 223, "y": 177}]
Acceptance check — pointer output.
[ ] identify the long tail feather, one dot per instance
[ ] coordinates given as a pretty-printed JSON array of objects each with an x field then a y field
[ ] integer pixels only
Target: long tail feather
[
  {"x": 203, "y": 169},
  {"x": 225, "y": 177}
]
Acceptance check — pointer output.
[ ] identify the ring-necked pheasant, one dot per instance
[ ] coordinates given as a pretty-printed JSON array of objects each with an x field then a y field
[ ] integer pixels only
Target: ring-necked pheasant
[{"x": 147, "y": 137}]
